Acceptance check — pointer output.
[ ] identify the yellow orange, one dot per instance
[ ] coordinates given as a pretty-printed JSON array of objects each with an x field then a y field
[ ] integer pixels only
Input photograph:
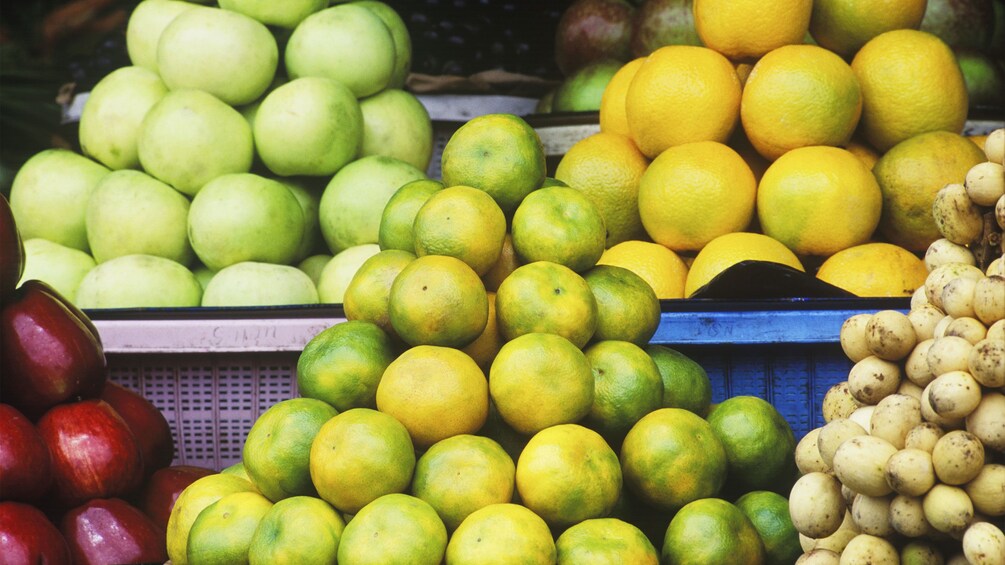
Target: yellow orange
[
  {"x": 844, "y": 26},
  {"x": 612, "y": 104},
  {"x": 682, "y": 94},
  {"x": 874, "y": 269},
  {"x": 747, "y": 29},
  {"x": 662, "y": 268},
  {"x": 695, "y": 192},
  {"x": 727, "y": 250}
]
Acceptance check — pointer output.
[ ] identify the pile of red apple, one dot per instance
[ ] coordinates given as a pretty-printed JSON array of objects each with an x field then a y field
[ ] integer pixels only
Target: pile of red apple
[{"x": 85, "y": 463}]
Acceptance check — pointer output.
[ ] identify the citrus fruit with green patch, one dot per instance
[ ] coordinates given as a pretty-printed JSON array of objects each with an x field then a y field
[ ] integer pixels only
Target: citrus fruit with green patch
[
  {"x": 498, "y": 153},
  {"x": 539, "y": 380},
  {"x": 546, "y": 297},
  {"x": 438, "y": 300},
  {"x": 194, "y": 499},
  {"x": 395, "y": 228},
  {"x": 368, "y": 295},
  {"x": 711, "y": 530},
  {"x": 607, "y": 168},
  {"x": 819, "y": 200},
  {"x": 399, "y": 36},
  {"x": 342, "y": 364},
  {"x": 435, "y": 392},
  {"x": 277, "y": 449},
  {"x": 223, "y": 531},
  {"x": 685, "y": 382},
  {"x": 598, "y": 541},
  {"x": 627, "y": 307},
  {"x": 568, "y": 473},
  {"x": 461, "y": 222},
  {"x": 299, "y": 529},
  {"x": 672, "y": 457},
  {"x": 360, "y": 455},
  {"x": 561, "y": 225},
  {"x": 461, "y": 474},
  {"x": 627, "y": 386},
  {"x": 769, "y": 513},
  {"x": 394, "y": 528},
  {"x": 502, "y": 534},
  {"x": 759, "y": 443},
  {"x": 910, "y": 174}
]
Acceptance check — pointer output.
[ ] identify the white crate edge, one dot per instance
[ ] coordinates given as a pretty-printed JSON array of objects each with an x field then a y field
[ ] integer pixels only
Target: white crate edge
[{"x": 210, "y": 336}]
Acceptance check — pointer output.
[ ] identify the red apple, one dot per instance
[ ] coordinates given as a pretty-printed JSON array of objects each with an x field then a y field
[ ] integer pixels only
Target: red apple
[
  {"x": 25, "y": 472},
  {"x": 159, "y": 493},
  {"x": 27, "y": 536},
  {"x": 94, "y": 455},
  {"x": 148, "y": 424},
  {"x": 11, "y": 252},
  {"x": 110, "y": 530},
  {"x": 49, "y": 352}
]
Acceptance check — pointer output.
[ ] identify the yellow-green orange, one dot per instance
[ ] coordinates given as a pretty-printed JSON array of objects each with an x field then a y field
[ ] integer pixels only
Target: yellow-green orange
[
  {"x": 672, "y": 457},
  {"x": 301, "y": 530},
  {"x": 438, "y": 300},
  {"x": 627, "y": 386},
  {"x": 502, "y": 534},
  {"x": 844, "y": 26},
  {"x": 539, "y": 380},
  {"x": 819, "y": 200},
  {"x": 360, "y": 455},
  {"x": 193, "y": 500},
  {"x": 561, "y": 225},
  {"x": 435, "y": 392},
  {"x": 599, "y": 541},
  {"x": 342, "y": 364},
  {"x": 685, "y": 383},
  {"x": 627, "y": 307},
  {"x": 583, "y": 90},
  {"x": 769, "y": 513},
  {"x": 911, "y": 84},
  {"x": 759, "y": 443},
  {"x": 461, "y": 474},
  {"x": 223, "y": 531},
  {"x": 910, "y": 174},
  {"x": 498, "y": 153},
  {"x": 712, "y": 530},
  {"x": 607, "y": 168},
  {"x": 395, "y": 229},
  {"x": 461, "y": 222},
  {"x": 276, "y": 452},
  {"x": 798, "y": 96},
  {"x": 549, "y": 298},
  {"x": 368, "y": 294},
  {"x": 711, "y": 186},
  {"x": 568, "y": 473},
  {"x": 727, "y": 250},
  {"x": 395, "y": 528},
  {"x": 486, "y": 346}
]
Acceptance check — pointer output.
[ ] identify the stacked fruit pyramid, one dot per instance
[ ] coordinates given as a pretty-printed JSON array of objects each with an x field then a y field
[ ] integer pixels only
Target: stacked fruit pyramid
[
  {"x": 909, "y": 467},
  {"x": 477, "y": 409}
]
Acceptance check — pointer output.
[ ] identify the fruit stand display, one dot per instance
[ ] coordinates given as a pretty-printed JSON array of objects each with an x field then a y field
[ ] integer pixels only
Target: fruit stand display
[{"x": 725, "y": 285}]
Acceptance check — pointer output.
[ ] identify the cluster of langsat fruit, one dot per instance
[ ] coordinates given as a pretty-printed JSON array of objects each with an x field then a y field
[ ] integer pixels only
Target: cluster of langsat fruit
[{"x": 910, "y": 464}]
